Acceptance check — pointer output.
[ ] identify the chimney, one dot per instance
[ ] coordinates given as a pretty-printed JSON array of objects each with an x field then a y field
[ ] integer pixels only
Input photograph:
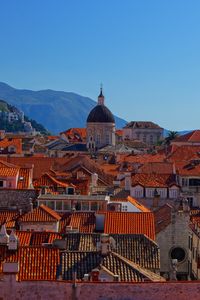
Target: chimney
[
  {"x": 116, "y": 278},
  {"x": 95, "y": 275},
  {"x": 105, "y": 245},
  {"x": 10, "y": 267},
  {"x": 4, "y": 237},
  {"x": 185, "y": 204},
  {"x": 127, "y": 181},
  {"x": 13, "y": 241},
  {"x": 156, "y": 199}
]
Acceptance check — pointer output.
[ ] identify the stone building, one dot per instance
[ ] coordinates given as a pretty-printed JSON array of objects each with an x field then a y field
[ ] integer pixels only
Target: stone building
[
  {"x": 172, "y": 235},
  {"x": 147, "y": 132},
  {"x": 100, "y": 126}
]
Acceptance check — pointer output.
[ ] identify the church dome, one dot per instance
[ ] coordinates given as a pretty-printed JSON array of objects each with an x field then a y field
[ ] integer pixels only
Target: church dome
[{"x": 100, "y": 114}]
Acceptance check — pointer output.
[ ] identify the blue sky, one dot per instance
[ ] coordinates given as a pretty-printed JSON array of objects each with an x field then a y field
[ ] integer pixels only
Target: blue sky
[{"x": 146, "y": 53}]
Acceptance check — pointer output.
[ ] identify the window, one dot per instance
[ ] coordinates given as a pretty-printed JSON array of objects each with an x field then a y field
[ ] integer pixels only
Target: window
[
  {"x": 151, "y": 139},
  {"x": 178, "y": 253},
  {"x": 50, "y": 204},
  {"x": 194, "y": 182},
  {"x": 94, "y": 206},
  {"x": 138, "y": 193},
  {"x": 58, "y": 205},
  {"x": 150, "y": 193},
  {"x": 70, "y": 191},
  {"x": 144, "y": 138},
  {"x": 1, "y": 183},
  {"x": 66, "y": 205},
  {"x": 98, "y": 139},
  {"x": 85, "y": 205},
  {"x": 124, "y": 208},
  {"x": 173, "y": 193},
  {"x": 107, "y": 139}
]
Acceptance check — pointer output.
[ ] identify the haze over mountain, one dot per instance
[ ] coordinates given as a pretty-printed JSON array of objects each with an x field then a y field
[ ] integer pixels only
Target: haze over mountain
[{"x": 55, "y": 110}]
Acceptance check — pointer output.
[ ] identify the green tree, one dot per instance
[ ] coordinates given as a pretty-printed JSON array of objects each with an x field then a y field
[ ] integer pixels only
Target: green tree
[{"x": 171, "y": 136}]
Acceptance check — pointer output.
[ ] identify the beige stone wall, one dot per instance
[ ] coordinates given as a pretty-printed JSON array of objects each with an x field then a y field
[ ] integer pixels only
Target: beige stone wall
[
  {"x": 175, "y": 234},
  {"x": 149, "y": 136},
  {"x": 34, "y": 290},
  {"x": 102, "y": 134},
  {"x": 39, "y": 226}
]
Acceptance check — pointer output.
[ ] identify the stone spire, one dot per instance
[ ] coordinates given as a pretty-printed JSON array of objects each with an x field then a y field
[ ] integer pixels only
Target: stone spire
[{"x": 101, "y": 96}]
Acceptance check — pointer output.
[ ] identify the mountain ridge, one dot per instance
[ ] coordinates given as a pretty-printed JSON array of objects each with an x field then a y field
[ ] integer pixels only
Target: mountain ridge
[{"x": 56, "y": 110}]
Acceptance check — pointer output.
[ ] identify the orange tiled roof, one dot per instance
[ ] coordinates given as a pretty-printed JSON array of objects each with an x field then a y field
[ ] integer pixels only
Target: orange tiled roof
[
  {"x": 191, "y": 168},
  {"x": 157, "y": 167},
  {"x": 162, "y": 217},
  {"x": 36, "y": 238},
  {"x": 9, "y": 218},
  {"x": 36, "y": 263},
  {"x": 9, "y": 172},
  {"x": 24, "y": 237},
  {"x": 84, "y": 221},
  {"x": 17, "y": 143},
  {"x": 130, "y": 223},
  {"x": 41, "y": 164},
  {"x": 24, "y": 178},
  {"x": 143, "y": 158},
  {"x": 41, "y": 214},
  {"x": 48, "y": 180},
  {"x": 184, "y": 153},
  {"x": 75, "y": 134},
  {"x": 119, "y": 132},
  {"x": 153, "y": 180},
  {"x": 193, "y": 136}
]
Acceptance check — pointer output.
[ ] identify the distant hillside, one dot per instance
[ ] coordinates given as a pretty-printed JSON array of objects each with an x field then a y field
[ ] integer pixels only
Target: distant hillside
[
  {"x": 57, "y": 111},
  {"x": 19, "y": 123}
]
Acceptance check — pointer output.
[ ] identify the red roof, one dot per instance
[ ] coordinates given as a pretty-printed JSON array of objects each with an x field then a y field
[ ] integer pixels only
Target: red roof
[
  {"x": 75, "y": 134},
  {"x": 163, "y": 217},
  {"x": 7, "y": 142},
  {"x": 85, "y": 222},
  {"x": 130, "y": 223},
  {"x": 157, "y": 167},
  {"x": 192, "y": 137},
  {"x": 153, "y": 180},
  {"x": 41, "y": 214},
  {"x": 36, "y": 263}
]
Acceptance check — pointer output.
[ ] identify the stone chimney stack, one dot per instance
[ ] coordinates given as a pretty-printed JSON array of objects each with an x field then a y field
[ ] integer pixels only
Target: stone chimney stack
[
  {"x": 127, "y": 181},
  {"x": 156, "y": 199},
  {"x": 13, "y": 241}
]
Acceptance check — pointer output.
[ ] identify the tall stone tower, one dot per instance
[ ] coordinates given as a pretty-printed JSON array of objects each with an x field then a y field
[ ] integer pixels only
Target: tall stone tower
[{"x": 100, "y": 126}]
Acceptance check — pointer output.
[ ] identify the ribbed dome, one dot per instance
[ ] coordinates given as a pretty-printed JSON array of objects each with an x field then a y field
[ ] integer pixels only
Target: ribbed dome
[{"x": 100, "y": 114}]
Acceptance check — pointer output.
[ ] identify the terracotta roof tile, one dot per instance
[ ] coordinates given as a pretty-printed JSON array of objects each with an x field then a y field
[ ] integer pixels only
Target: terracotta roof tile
[
  {"x": 192, "y": 137},
  {"x": 130, "y": 223},
  {"x": 40, "y": 214},
  {"x": 9, "y": 218},
  {"x": 85, "y": 222},
  {"x": 36, "y": 263},
  {"x": 48, "y": 180},
  {"x": 153, "y": 180},
  {"x": 9, "y": 172},
  {"x": 157, "y": 167},
  {"x": 162, "y": 217},
  {"x": 17, "y": 143},
  {"x": 24, "y": 180}
]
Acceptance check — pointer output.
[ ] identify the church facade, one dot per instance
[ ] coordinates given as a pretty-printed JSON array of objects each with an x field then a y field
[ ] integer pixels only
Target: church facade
[{"x": 100, "y": 126}]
